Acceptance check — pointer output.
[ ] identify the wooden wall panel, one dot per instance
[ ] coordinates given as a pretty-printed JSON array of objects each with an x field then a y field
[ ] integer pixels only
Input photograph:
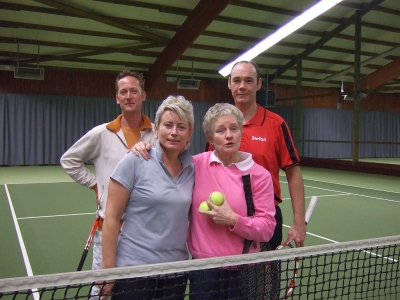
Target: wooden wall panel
[
  {"x": 61, "y": 82},
  {"x": 381, "y": 102},
  {"x": 209, "y": 91},
  {"x": 311, "y": 97},
  {"x": 101, "y": 84}
]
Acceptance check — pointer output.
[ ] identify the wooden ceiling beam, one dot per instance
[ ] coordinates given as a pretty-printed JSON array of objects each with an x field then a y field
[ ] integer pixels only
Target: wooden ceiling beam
[
  {"x": 170, "y": 27},
  {"x": 102, "y": 19},
  {"x": 129, "y": 37},
  {"x": 379, "y": 27},
  {"x": 143, "y": 4},
  {"x": 145, "y": 66},
  {"x": 282, "y": 11},
  {"x": 32, "y": 8},
  {"x": 98, "y": 51},
  {"x": 200, "y": 18},
  {"x": 382, "y": 9},
  {"x": 384, "y": 74},
  {"x": 387, "y": 10},
  {"x": 138, "y": 50},
  {"x": 328, "y": 36},
  {"x": 186, "y": 12}
]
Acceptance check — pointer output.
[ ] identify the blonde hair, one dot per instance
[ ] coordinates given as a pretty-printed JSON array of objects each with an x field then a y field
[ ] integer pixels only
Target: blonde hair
[{"x": 181, "y": 106}]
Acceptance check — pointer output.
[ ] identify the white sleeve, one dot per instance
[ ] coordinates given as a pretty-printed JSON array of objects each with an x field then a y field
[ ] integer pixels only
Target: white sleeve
[{"x": 86, "y": 148}]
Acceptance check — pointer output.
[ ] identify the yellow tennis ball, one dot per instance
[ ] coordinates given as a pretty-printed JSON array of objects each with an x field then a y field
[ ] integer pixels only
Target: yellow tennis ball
[
  {"x": 217, "y": 198},
  {"x": 204, "y": 206}
]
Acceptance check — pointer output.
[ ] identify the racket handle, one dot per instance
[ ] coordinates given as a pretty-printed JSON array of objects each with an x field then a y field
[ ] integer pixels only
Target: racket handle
[
  {"x": 88, "y": 243},
  {"x": 246, "y": 247},
  {"x": 310, "y": 208},
  {"x": 248, "y": 195},
  {"x": 83, "y": 258}
]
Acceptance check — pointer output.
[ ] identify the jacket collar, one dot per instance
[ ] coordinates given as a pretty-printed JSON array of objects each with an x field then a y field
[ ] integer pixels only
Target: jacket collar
[
  {"x": 258, "y": 118},
  {"x": 115, "y": 125}
]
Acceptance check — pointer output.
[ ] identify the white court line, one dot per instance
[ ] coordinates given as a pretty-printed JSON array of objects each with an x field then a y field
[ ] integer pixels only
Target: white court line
[
  {"x": 377, "y": 198},
  {"x": 317, "y": 188},
  {"x": 21, "y": 242},
  {"x": 38, "y": 182},
  {"x": 333, "y": 241},
  {"x": 355, "y": 186},
  {"x": 334, "y": 195},
  {"x": 336, "y": 191},
  {"x": 371, "y": 197},
  {"x": 318, "y": 236},
  {"x": 55, "y": 216}
]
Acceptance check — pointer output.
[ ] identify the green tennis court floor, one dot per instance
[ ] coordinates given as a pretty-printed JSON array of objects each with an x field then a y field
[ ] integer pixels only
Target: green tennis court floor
[{"x": 45, "y": 217}]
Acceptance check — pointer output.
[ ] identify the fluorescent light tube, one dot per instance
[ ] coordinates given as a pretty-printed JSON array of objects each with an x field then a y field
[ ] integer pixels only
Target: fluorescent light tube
[{"x": 282, "y": 32}]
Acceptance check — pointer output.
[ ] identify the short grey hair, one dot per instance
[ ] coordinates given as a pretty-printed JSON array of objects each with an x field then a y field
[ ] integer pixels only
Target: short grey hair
[
  {"x": 181, "y": 106},
  {"x": 217, "y": 111}
]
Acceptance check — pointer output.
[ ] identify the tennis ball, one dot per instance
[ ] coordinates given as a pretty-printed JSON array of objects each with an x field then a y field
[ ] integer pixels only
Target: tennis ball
[
  {"x": 217, "y": 198},
  {"x": 204, "y": 206}
]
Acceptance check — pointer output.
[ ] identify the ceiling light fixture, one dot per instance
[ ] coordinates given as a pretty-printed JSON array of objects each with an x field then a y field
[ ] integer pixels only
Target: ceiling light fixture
[{"x": 282, "y": 32}]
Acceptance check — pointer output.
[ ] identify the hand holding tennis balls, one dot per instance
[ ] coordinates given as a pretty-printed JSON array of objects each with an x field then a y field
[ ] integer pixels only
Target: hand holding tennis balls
[
  {"x": 204, "y": 206},
  {"x": 215, "y": 197}
]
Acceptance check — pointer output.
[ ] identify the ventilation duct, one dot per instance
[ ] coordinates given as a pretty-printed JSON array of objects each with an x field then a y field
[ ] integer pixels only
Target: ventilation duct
[
  {"x": 29, "y": 73},
  {"x": 6, "y": 68},
  {"x": 189, "y": 84},
  {"x": 171, "y": 78}
]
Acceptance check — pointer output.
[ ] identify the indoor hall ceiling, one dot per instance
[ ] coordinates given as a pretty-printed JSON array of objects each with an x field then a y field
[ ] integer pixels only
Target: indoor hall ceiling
[{"x": 188, "y": 38}]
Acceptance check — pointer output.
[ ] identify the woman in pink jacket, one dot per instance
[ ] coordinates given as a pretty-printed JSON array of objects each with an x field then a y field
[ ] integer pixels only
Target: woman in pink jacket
[{"x": 222, "y": 230}]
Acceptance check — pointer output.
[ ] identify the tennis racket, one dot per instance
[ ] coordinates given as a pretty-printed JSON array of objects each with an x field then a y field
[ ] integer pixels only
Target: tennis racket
[
  {"x": 290, "y": 268},
  {"x": 88, "y": 243},
  {"x": 261, "y": 280}
]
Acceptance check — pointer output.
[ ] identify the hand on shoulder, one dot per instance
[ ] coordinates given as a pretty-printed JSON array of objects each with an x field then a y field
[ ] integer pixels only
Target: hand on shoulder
[{"x": 142, "y": 149}]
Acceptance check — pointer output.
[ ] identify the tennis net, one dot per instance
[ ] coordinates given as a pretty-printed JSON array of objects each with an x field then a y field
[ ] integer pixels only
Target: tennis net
[{"x": 365, "y": 269}]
